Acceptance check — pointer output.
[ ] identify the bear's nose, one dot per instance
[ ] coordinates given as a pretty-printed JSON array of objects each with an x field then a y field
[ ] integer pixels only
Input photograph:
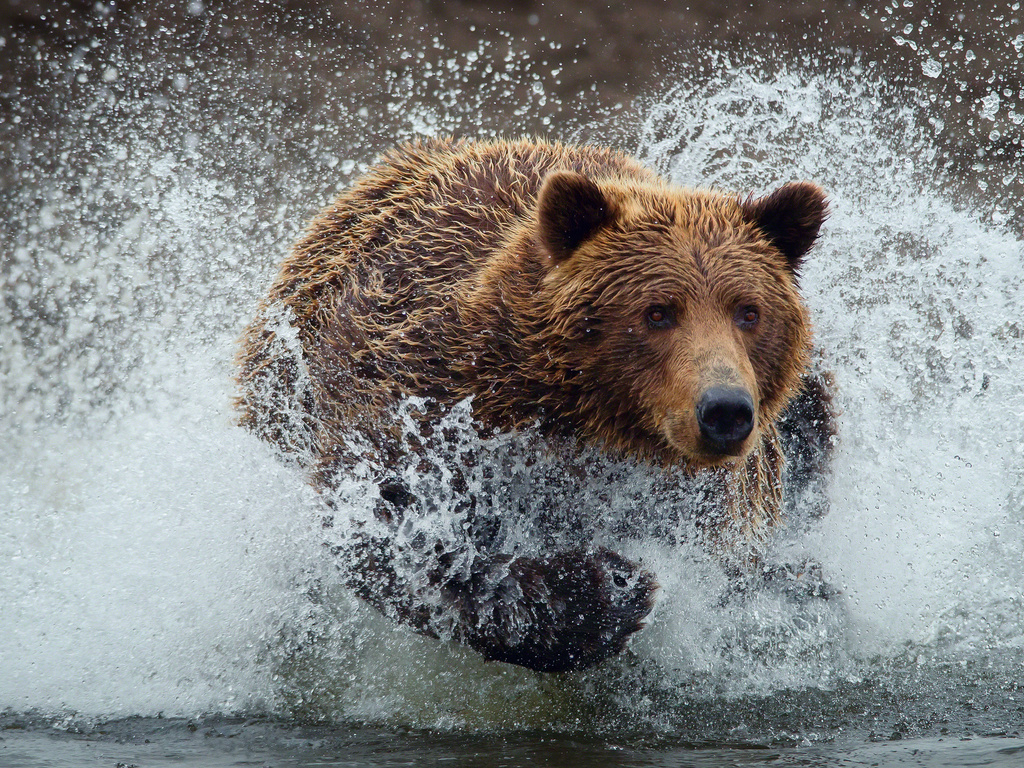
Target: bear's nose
[{"x": 726, "y": 418}]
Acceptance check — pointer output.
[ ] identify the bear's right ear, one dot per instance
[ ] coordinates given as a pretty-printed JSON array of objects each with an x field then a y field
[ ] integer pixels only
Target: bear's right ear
[{"x": 570, "y": 209}]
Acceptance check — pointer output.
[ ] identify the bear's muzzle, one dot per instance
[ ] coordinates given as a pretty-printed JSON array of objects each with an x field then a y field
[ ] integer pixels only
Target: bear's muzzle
[{"x": 725, "y": 416}]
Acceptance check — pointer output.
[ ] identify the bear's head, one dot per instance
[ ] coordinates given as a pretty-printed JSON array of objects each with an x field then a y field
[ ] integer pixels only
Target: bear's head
[{"x": 674, "y": 314}]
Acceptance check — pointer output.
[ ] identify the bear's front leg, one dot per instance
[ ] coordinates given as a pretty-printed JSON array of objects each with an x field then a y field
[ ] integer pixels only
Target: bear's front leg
[
  {"x": 552, "y": 614},
  {"x": 558, "y": 613}
]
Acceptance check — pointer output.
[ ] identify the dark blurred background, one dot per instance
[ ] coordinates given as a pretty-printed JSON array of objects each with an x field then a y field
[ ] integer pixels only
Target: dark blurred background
[{"x": 966, "y": 58}]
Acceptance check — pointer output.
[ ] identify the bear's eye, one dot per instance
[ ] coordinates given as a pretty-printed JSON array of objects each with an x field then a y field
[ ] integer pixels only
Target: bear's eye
[
  {"x": 747, "y": 317},
  {"x": 660, "y": 316}
]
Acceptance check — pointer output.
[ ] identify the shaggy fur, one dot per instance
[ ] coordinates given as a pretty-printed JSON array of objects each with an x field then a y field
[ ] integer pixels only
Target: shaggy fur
[{"x": 563, "y": 287}]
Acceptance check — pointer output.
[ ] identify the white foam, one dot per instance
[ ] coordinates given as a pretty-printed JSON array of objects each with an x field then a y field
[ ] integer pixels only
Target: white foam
[{"x": 148, "y": 567}]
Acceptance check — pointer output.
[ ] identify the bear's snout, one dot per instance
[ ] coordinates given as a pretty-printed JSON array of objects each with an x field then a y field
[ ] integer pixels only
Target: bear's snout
[{"x": 726, "y": 418}]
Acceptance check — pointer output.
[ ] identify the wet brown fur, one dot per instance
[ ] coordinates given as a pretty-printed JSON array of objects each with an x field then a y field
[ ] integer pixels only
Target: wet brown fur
[{"x": 442, "y": 274}]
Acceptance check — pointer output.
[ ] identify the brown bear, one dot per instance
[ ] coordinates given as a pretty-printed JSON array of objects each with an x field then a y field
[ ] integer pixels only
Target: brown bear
[{"x": 565, "y": 293}]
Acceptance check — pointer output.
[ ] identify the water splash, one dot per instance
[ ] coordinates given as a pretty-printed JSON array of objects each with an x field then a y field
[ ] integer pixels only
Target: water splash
[{"x": 158, "y": 559}]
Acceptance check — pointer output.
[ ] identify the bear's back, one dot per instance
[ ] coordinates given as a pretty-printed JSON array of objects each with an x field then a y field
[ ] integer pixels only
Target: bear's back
[
  {"x": 371, "y": 289},
  {"x": 431, "y": 213}
]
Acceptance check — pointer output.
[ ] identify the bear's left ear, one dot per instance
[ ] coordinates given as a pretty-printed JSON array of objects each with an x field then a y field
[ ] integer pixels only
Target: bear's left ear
[
  {"x": 790, "y": 218},
  {"x": 570, "y": 209}
]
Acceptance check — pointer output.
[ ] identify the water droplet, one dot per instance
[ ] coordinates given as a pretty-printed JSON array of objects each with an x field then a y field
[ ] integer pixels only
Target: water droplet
[
  {"x": 990, "y": 106},
  {"x": 931, "y": 68}
]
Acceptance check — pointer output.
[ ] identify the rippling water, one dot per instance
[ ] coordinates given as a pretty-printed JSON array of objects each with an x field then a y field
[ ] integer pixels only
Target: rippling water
[{"x": 157, "y": 561}]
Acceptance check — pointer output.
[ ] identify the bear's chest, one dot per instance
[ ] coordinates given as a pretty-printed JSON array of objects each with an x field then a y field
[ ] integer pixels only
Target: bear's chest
[{"x": 526, "y": 494}]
